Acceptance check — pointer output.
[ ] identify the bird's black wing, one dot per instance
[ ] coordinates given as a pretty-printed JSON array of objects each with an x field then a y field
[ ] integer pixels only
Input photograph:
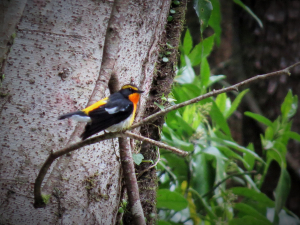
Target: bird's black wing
[{"x": 115, "y": 111}]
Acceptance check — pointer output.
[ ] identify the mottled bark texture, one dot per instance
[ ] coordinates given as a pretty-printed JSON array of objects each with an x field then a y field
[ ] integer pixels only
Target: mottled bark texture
[
  {"x": 62, "y": 58},
  {"x": 162, "y": 83}
]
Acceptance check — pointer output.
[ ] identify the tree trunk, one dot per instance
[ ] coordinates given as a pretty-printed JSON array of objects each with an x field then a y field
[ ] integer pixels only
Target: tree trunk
[{"x": 64, "y": 56}]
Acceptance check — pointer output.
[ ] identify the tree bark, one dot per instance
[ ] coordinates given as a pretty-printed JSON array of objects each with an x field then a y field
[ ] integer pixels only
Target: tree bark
[{"x": 62, "y": 59}]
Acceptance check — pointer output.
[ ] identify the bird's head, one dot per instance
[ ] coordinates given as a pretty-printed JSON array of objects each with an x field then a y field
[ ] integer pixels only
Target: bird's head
[{"x": 132, "y": 92}]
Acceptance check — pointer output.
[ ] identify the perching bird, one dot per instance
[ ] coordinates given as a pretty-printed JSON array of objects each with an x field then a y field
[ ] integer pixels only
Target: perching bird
[{"x": 113, "y": 113}]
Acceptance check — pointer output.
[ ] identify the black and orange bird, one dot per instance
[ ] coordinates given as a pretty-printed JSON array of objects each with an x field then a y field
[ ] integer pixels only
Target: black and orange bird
[{"x": 113, "y": 113}]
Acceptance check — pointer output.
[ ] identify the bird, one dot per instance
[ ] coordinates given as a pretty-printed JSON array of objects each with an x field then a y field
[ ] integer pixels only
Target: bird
[{"x": 114, "y": 113}]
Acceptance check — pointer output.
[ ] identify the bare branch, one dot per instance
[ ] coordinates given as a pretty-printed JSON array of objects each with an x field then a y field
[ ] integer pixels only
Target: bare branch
[
  {"x": 39, "y": 202},
  {"x": 157, "y": 143},
  {"x": 214, "y": 93}
]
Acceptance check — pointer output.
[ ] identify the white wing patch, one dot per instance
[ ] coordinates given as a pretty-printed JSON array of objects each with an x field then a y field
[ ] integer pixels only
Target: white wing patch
[
  {"x": 112, "y": 110},
  {"x": 115, "y": 109},
  {"x": 81, "y": 118}
]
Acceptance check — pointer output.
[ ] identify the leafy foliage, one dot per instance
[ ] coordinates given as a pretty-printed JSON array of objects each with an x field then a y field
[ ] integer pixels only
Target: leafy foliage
[
  {"x": 193, "y": 190},
  {"x": 137, "y": 158}
]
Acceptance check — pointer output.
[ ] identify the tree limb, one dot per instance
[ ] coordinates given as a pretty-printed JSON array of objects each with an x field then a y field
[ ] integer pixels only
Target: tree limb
[
  {"x": 38, "y": 199},
  {"x": 156, "y": 143},
  {"x": 214, "y": 93},
  {"x": 39, "y": 202}
]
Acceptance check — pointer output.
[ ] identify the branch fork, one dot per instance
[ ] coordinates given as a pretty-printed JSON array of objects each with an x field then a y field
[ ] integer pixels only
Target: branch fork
[{"x": 39, "y": 202}]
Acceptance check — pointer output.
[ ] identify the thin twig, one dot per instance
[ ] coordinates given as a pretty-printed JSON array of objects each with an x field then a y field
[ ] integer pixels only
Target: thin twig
[
  {"x": 213, "y": 93},
  {"x": 157, "y": 143},
  {"x": 39, "y": 202}
]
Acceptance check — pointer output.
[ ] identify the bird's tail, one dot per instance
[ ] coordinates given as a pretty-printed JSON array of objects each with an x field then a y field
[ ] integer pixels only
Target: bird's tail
[{"x": 68, "y": 115}]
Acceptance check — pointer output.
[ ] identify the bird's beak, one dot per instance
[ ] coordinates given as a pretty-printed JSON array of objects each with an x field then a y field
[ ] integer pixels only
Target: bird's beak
[{"x": 139, "y": 91}]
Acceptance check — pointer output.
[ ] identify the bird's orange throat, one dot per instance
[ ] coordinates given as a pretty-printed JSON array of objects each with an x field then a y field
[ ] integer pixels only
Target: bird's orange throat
[{"x": 135, "y": 97}]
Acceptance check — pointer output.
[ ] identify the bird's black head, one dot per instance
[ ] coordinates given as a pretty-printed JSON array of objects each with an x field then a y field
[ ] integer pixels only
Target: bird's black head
[{"x": 129, "y": 89}]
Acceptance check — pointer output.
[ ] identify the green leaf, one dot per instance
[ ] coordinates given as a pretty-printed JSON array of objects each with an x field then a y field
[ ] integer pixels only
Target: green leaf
[
  {"x": 215, "y": 78},
  {"x": 203, "y": 175},
  {"x": 248, "y": 10},
  {"x": 239, "y": 148},
  {"x": 254, "y": 195},
  {"x": 250, "y": 211},
  {"x": 269, "y": 134},
  {"x": 179, "y": 94},
  {"x": 137, "y": 158},
  {"x": 249, "y": 179},
  {"x": 187, "y": 42},
  {"x": 170, "y": 200},
  {"x": 185, "y": 74},
  {"x": 231, "y": 154},
  {"x": 247, "y": 220},
  {"x": 282, "y": 190},
  {"x": 203, "y": 9},
  {"x": 289, "y": 106},
  {"x": 293, "y": 135},
  {"x": 281, "y": 148},
  {"x": 159, "y": 106},
  {"x": 201, "y": 50},
  {"x": 204, "y": 72},
  {"x": 259, "y": 118},
  {"x": 221, "y": 102},
  {"x": 220, "y": 163},
  {"x": 249, "y": 158},
  {"x": 211, "y": 150},
  {"x": 207, "y": 208},
  {"x": 236, "y": 103},
  {"x": 178, "y": 165},
  {"x": 181, "y": 127},
  {"x": 219, "y": 119},
  {"x": 191, "y": 91},
  {"x": 236, "y": 147},
  {"x": 162, "y": 222},
  {"x": 46, "y": 198},
  {"x": 176, "y": 142},
  {"x": 215, "y": 20},
  {"x": 195, "y": 120}
]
